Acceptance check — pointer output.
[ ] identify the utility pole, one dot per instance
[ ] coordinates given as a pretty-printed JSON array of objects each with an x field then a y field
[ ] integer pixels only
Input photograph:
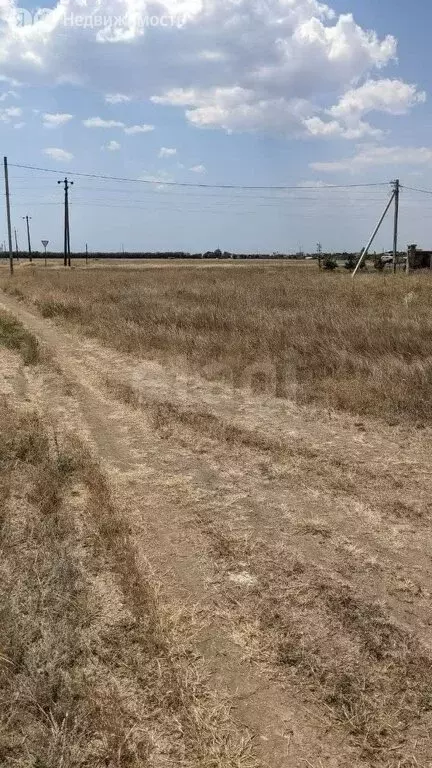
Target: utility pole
[
  {"x": 27, "y": 218},
  {"x": 16, "y": 245},
  {"x": 67, "y": 257},
  {"x": 86, "y": 253},
  {"x": 6, "y": 176},
  {"x": 396, "y": 188},
  {"x": 319, "y": 252},
  {"x": 365, "y": 251}
]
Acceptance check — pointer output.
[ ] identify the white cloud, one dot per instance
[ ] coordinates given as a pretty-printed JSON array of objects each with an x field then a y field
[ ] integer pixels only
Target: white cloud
[
  {"x": 18, "y": 126},
  {"x": 13, "y": 111},
  {"x": 117, "y": 98},
  {"x": 277, "y": 90},
  {"x": 392, "y": 96},
  {"x": 236, "y": 108},
  {"x": 198, "y": 169},
  {"x": 214, "y": 55},
  {"x": 236, "y": 65},
  {"x": 10, "y": 81},
  {"x": 332, "y": 129},
  {"x": 167, "y": 152},
  {"x": 318, "y": 127},
  {"x": 56, "y": 119},
  {"x": 112, "y": 146},
  {"x": 32, "y": 58},
  {"x": 9, "y": 95},
  {"x": 55, "y": 153},
  {"x": 313, "y": 184},
  {"x": 9, "y": 113},
  {"x": 160, "y": 178},
  {"x": 370, "y": 156},
  {"x": 133, "y": 129},
  {"x": 99, "y": 122}
]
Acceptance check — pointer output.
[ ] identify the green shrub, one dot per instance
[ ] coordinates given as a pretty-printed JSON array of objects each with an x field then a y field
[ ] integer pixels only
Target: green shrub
[{"x": 329, "y": 262}]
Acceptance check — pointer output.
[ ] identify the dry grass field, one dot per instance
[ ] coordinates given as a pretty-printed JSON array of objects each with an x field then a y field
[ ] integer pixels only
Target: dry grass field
[
  {"x": 215, "y": 518},
  {"x": 284, "y": 329}
]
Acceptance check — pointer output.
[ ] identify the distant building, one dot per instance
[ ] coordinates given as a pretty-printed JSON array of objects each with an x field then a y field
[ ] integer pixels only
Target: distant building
[{"x": 418, "y": 258}]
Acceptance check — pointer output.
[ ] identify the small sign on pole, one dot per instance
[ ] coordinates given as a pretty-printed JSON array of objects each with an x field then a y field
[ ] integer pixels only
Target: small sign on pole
[{"x": 45, "y": 243}]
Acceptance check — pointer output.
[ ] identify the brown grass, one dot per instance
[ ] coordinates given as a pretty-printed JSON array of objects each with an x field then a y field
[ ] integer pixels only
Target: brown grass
[
  {"x": 94, "y": 669},
  {"x": 14, "y": 336},
  {"x": 283, "y": 329}
]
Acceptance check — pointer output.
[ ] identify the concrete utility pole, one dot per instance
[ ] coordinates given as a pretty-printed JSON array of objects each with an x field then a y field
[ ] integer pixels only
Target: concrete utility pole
[
  {"x": 396, "y": 188},
  {"x": 6, "y": 176},
  {"x": 27, "y": 219},
  {"x": 67, "y": 252},
  {"x": 365, "y": 251}
]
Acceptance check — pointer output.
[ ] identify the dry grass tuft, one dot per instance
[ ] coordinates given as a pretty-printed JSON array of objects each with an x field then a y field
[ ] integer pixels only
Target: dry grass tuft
[{"x": 13, "y": 335}]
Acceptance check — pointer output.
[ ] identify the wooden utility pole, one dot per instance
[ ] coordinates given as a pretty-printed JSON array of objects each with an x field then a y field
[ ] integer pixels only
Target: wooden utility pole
[
  {"x": 67, "y": 251},
  {"x": 396, "y": 188},
  {"x": 16, "y": 245},
  {"x": 86, "y": 253},
  {"x": 27, "y": 219},
  {"x": 6, "y": 176},
  {"x": 319, "y": 252}
]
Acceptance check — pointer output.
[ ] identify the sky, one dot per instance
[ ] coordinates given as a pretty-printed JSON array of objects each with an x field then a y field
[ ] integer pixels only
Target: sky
[{"x": 246, "y": 125}]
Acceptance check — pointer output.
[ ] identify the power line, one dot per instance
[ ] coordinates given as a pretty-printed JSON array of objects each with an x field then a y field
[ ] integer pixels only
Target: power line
[
  {"x": 189, "y": 195},
  {"x": 168, "y": 208},
  {"x": 187, "y": 200},
  {"x": 173, "y": 210},
  {"x": 415, "y": 189},
  {"x": 193, "y": 184}
]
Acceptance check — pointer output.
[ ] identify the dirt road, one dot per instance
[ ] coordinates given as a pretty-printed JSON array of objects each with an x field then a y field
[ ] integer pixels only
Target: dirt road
[{"x": 300, "y": 542}]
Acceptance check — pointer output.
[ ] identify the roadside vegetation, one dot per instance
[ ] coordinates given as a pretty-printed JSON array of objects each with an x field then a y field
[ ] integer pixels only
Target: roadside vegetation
[
  {"x": 282, "y": 329},
  {"x": 14, "y": 336}
]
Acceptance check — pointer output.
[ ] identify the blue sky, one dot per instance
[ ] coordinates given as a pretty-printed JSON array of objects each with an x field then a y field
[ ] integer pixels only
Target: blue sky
[{"x": 216, "y": 92}]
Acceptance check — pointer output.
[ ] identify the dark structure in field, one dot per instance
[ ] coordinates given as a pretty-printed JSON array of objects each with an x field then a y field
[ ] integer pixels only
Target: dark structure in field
[{"x": 419, "y": 259}]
